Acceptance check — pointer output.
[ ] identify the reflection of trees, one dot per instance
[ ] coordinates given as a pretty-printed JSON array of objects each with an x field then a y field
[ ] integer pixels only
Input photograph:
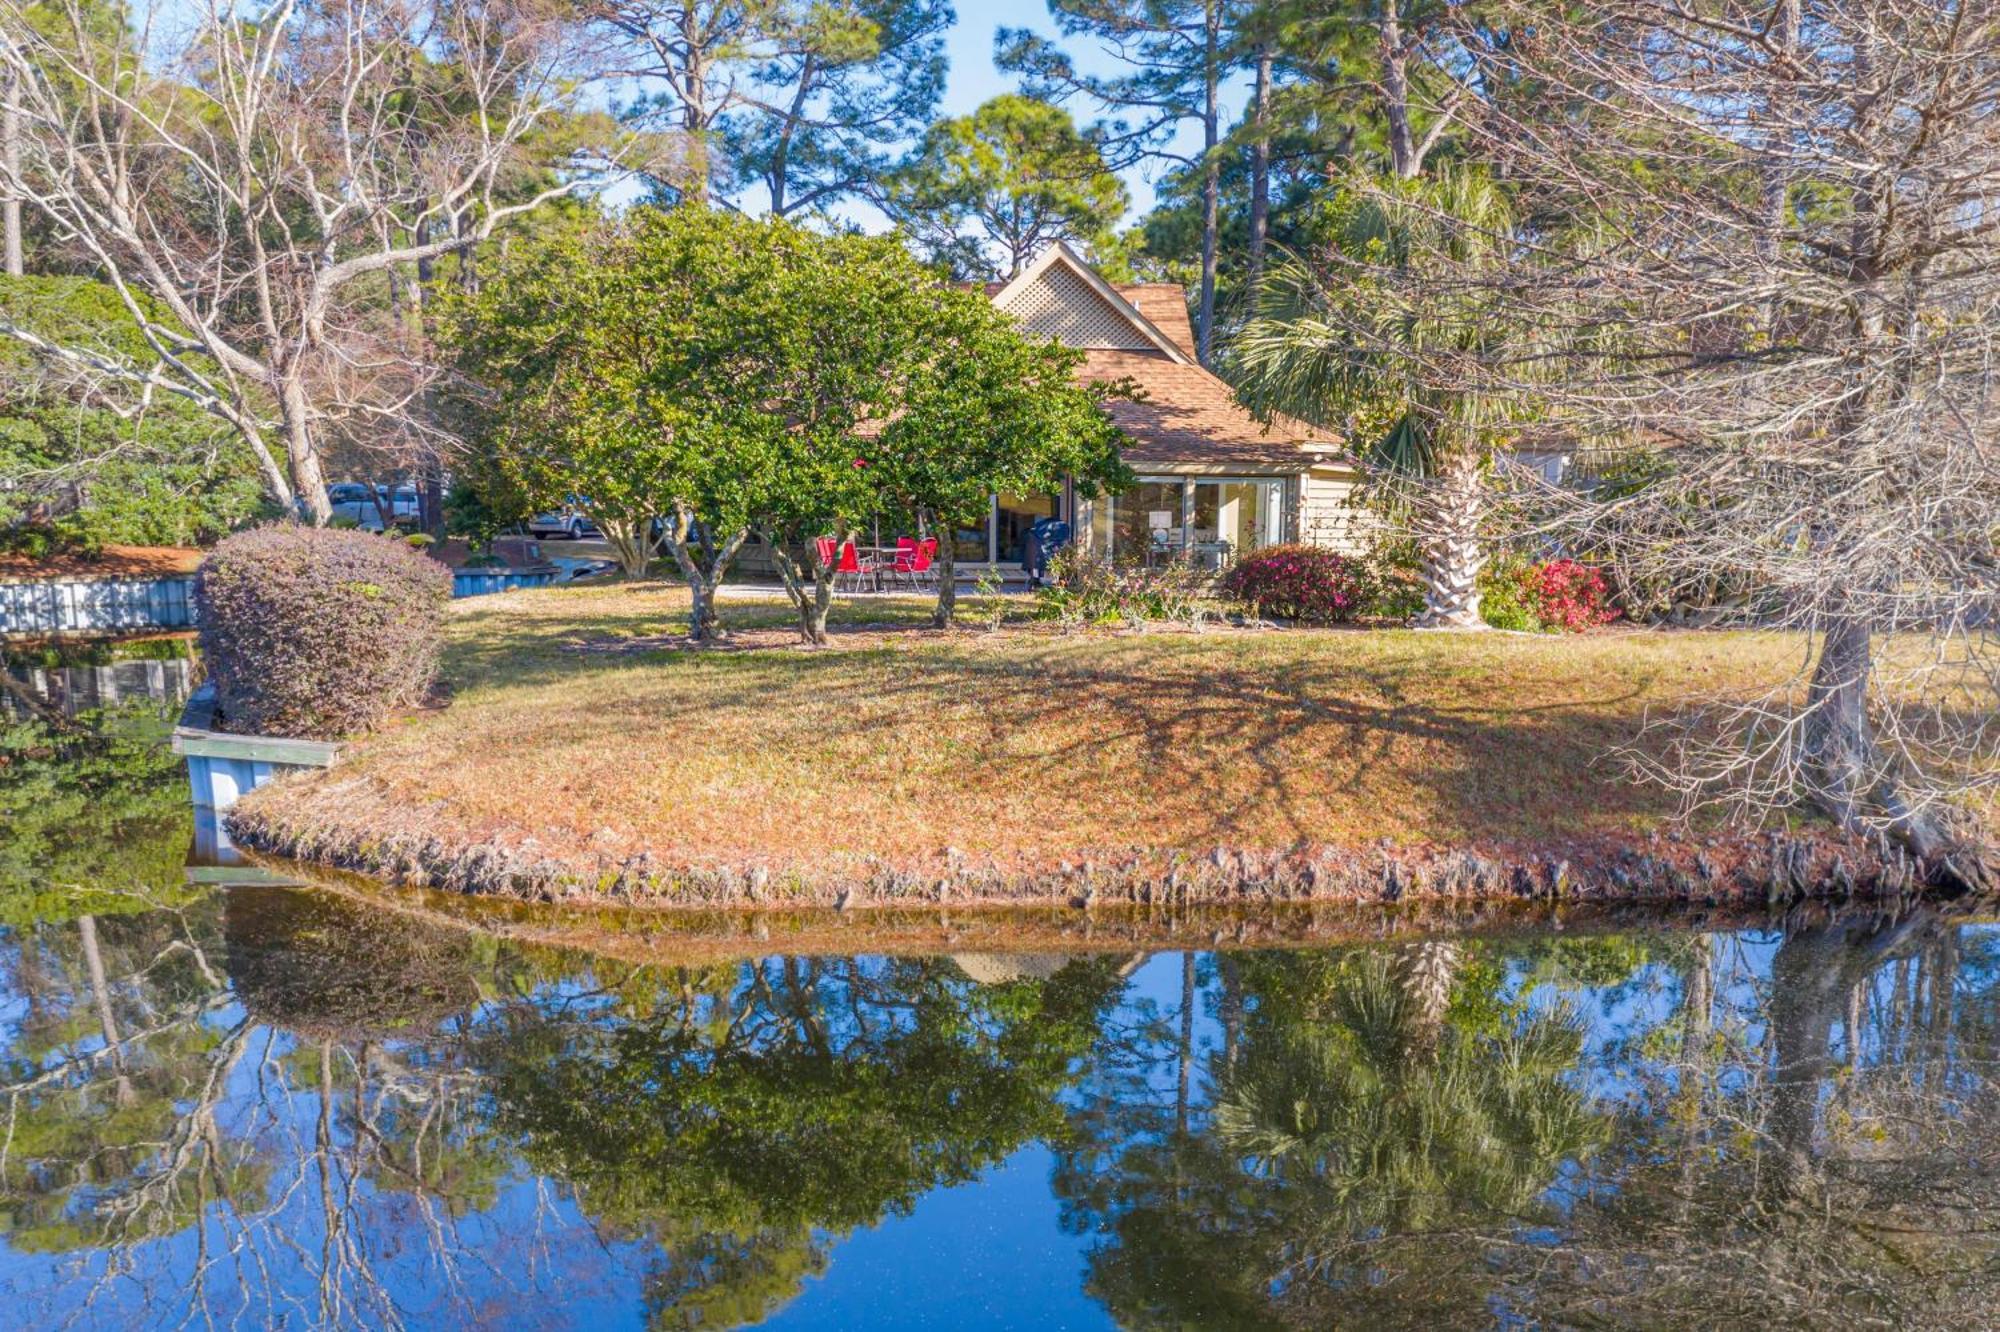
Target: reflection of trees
[
  {"x": 320, "y": 1128},
  {"x": 1359, "y": 1127},
  {"x": 141, "y": 1107},
  {"x": 112, "y": 1079},
  {"x": 1816, "y": 1155},
  {"x": 743, "y": 1115},
  {"x": 93, "y": 816},
  {"x": 386, "y": 1123}
]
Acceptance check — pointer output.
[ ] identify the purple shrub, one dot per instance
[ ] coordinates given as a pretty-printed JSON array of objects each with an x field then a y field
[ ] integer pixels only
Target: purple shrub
[{"x": 318, "y": 633}]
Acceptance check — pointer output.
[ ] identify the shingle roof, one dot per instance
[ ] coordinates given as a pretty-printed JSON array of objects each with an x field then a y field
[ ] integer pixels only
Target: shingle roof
[
  {"x": 1186, "y": 416},
  {"x": 1190, "y": 416},
  {"x": 1165, "y": 304}
]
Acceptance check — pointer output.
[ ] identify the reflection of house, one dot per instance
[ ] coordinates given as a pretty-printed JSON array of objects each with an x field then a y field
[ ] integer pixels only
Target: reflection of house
[{"x": 1214, "y": 481}]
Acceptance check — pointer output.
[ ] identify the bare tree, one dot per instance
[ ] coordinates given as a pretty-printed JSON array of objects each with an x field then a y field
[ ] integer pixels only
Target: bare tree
[
  {"x": 253, "y": 184},
  {"x": 1788, "y": 304}
]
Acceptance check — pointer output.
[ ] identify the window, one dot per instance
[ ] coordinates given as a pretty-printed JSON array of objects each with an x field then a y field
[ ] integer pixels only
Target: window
[
  {"x": 1013, "y": 516},
  {"x": 1212, "y": 522},
  {"x": 969, "y": 545},
  {"x": 1232, "y": 517},
  {"x": 1003, "y": 537}
]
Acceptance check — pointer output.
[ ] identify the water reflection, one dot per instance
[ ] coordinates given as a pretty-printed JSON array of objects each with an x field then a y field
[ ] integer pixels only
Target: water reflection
[{"x": 272, "y": 1103}]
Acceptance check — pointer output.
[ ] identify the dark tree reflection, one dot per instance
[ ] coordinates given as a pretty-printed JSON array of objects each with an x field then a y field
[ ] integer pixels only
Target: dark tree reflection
[
  {"x": 271, "y": 1105},
  {"x": 1359, "y": 1126},
  {"x": 744, "y": 1119}
]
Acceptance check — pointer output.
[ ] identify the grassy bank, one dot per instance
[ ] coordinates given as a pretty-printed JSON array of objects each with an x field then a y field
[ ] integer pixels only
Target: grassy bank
[{"x": 585, "y": 751}]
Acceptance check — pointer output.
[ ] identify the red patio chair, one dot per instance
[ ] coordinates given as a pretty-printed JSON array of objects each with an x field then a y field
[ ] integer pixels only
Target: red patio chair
[
  {"x": 856, "y": 571},
  {"x": 905, "y": 565},
  {"x": 926, "y": 552}
]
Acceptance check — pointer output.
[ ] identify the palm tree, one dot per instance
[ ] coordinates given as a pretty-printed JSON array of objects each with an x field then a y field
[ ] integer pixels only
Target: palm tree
[
  {"x": 1397, "y": 1124},
  {"x": 1382, "y": 337}
]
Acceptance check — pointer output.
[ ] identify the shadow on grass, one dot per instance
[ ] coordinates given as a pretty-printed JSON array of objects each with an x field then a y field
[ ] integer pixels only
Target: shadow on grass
[{"x": 1243, "y": 738}]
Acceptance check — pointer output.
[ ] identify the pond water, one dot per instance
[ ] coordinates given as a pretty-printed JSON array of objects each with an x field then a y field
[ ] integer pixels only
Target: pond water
[{"x": 238, "y": 1106}]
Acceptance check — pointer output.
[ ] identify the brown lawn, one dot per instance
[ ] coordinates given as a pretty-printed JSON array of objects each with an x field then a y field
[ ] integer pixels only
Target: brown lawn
[{"x": 578, "y": 720}]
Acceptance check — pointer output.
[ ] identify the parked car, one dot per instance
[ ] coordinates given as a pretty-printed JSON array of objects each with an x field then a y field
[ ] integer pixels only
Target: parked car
[
  {"x": 351, "y": 501},
  {"x": 569, "y": 522}
]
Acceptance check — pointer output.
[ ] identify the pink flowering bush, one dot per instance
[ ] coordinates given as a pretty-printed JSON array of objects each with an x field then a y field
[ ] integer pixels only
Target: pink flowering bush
[
  {"x": 1572, "y": 597},
  {"x": 1300, "y": 583}
]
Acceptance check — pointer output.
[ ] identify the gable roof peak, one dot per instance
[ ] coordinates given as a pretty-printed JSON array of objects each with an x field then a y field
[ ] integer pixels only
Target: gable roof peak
[{"x": 1059, "y": 256}]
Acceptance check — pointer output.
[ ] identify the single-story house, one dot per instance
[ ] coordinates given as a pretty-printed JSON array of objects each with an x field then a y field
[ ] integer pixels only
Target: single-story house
[{"x": 1214, "y": 482}]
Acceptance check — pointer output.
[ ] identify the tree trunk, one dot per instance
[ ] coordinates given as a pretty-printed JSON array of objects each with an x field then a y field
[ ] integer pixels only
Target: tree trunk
[
  {"x": 1783, "y": 39},
  {"x": 812, "y": 605},
  {"x": 10, "y": 207},
  {"x": 1856, "y": 784},
  {"x": 1403, "y": 159},
  {"x": 1426, "y": 971},
  {"x": 308, "y": 478},
  {"x": 100, "y": 989},
  {"x": 1184, "y": 1079},
  {"x": 431, "y": 499},
  {"x": 1450, "y": 542},
  {"x": 703, "y": 574},
  {"x": 1211, "y": 185},
  {"x": 630, "y": 542},
  {"x": 1260, "y": 166},
  {"x": 947, "y": 576}
]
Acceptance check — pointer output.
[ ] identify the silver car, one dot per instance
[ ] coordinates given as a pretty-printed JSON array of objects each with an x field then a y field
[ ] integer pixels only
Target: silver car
[{"x": 569, "y": 522}]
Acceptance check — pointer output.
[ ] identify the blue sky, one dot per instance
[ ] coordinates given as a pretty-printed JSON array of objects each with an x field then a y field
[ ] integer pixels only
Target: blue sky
[{"x": 973, "y": 77}]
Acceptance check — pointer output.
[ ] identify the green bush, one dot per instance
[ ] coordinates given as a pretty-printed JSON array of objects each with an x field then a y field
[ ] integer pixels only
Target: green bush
[
  {"x": 1395, "y": 576},
  {"x": 1509, "y": 595},
  {"x": 89, "y": 462},
  {"x": 1084, "y": 589},
  {"x": 319, "y": 633}
]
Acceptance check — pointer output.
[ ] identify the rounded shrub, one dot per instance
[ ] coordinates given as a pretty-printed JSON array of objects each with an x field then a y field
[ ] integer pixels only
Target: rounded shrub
[
  {"x": 1300, "y": 583},
  {"x": 317, "y": 632},
  {"x": 1572, "y": 597}
]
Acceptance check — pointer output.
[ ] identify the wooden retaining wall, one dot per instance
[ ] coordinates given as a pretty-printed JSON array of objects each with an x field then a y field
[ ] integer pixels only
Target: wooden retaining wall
[
  {"x": 481, "y": 582},
  {"x": 222, "y": 766},
  {"x": 75, "y": 689},
  {"x": 103, "y": 607},
  {"x": 45, "y": 608}
]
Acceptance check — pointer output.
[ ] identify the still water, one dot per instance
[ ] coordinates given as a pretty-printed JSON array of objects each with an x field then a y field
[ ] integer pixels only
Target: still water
[{"x": 257, "y": 1105}]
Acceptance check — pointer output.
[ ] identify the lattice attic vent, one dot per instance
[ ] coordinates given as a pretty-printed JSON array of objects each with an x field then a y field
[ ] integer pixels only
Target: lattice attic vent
[{"x": 1062, "y": 306}]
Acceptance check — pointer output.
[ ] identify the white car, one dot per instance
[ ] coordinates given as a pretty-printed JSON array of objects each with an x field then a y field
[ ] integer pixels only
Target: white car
[
  {"x": 351, "y": 501},
  {"x": 568, "y": 522}
]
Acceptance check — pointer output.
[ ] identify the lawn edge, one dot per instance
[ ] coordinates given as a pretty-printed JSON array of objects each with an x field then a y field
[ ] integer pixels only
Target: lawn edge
[{"x": 347, "y": 822}]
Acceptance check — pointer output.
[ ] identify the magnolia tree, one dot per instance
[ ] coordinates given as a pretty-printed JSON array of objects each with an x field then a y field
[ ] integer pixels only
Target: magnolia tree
[
  {"x": 602, "y": 372},
  {"x": 734, "y": 376},
  {"x": 252, "y": 180},
  {"x": 988, "y": 410},
  {"x": 1789, "y": 298},
  {"x": 897, "y": 395}
]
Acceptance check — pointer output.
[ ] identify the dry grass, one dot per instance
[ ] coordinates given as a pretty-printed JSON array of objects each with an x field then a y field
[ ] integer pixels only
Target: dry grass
[{"x": 578, "y": 722}]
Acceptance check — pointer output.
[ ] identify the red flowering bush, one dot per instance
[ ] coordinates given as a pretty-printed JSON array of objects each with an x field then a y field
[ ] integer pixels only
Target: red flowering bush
[
  {"x": 1299, "y": 583},
  {"x": 1572, "y": 597}
]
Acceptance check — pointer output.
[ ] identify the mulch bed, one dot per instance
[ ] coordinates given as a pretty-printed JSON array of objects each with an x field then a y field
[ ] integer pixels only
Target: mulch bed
[{"x": 111, "y": 562}]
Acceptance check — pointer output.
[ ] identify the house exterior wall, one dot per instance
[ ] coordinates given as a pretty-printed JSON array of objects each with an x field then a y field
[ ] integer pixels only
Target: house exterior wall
[{"x": 1327, "y": 515}]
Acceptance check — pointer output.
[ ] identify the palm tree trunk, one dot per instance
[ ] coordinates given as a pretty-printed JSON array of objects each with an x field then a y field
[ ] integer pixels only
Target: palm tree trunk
[
  {"x": 1452, "y": 556},
  {"x": 1426, "y": 971}
]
